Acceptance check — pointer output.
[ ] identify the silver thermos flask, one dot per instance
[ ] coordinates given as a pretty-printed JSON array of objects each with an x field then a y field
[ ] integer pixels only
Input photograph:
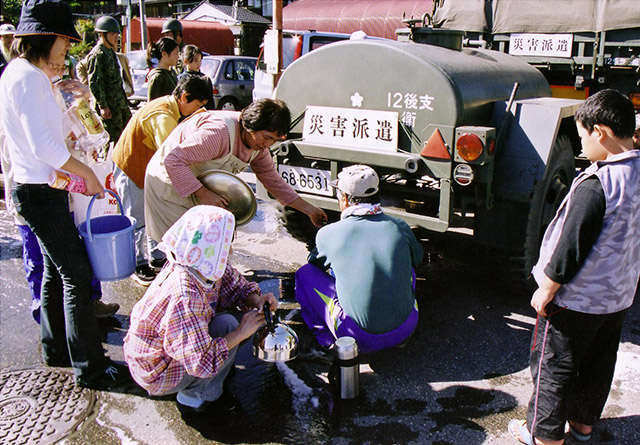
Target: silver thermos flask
[{"x": 346, "y": 351}]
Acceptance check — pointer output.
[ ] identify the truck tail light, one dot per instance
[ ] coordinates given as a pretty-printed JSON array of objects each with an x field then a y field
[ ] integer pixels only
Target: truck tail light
[
  {"x": 469, "y": 147},
  {"x": 435, "y": 148},
  {"x": 298, "y": 51},
  {"x": 215, "y": 90}
]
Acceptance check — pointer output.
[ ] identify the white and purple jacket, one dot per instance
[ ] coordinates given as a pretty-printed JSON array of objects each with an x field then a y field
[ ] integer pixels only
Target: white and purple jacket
[{"x": 606, "y": 283}]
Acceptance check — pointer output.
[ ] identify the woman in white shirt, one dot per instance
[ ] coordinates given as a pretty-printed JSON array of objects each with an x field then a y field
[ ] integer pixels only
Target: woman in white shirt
[{"x": 33, "y": 126}]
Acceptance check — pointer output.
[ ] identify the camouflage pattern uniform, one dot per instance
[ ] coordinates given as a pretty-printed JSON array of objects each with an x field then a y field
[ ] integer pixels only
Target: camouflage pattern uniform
[
  {"x": 105, "y": 83},
  {"x": 178, "y": 68}
]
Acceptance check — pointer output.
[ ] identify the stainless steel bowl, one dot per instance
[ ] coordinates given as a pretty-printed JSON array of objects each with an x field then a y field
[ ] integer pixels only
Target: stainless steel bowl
[{"x": 241, "y": 199}]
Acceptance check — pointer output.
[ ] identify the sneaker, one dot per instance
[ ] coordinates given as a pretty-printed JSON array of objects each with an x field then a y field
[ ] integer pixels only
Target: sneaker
[
  {"x": 104, "y": 310},
  {"x": 157, "y": 265},
  {"x": 226, "y": 403},
  {"x": 113, "y": 375},
  {"x": 144, "y": 275},
  {"x": 188, "y": 404}
]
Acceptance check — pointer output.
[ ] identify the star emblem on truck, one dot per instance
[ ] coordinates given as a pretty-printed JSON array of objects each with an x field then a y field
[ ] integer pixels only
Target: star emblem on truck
[{"x": 356, "y": 100}]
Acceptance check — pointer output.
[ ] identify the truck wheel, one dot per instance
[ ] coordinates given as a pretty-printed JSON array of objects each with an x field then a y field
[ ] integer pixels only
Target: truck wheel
[
  {"x": 228, "y": 104},
  {"x": 547, "y": 196},
  {"x": 299, "y": 226}
]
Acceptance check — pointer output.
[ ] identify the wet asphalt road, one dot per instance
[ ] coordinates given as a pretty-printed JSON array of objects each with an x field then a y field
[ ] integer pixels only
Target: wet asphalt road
[{"x": 459, "y": 380}]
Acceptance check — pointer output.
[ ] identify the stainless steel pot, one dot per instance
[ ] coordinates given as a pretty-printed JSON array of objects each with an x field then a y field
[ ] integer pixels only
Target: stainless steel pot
[
  {"x": 275, "y": 341},
  {"x": 241, "y": 199}
]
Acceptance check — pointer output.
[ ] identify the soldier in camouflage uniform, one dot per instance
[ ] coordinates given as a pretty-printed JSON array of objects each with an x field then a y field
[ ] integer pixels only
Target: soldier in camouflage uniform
[{"x": 105, "y": 79}]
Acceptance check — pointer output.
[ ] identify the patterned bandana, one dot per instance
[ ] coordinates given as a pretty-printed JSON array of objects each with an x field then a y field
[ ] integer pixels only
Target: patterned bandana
[
  {"x": 361, "y": 210},
  {"x": 201, "y": 240}
]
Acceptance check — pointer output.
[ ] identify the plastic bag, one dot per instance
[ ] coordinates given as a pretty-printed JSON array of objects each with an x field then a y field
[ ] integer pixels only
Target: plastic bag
[{"x": 108, "y": 205}]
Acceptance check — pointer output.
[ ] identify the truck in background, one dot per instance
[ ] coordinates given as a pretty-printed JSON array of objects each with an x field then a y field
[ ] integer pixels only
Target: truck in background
[
  {"x": 581, "y": 46},
  {"x": 295, "y": 44}
]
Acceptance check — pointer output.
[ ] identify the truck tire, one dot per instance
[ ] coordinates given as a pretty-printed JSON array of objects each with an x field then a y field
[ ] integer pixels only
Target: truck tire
[
  {"x": 300, "y": 227},
  {"x": 547, "y": 196},
  {"x": 228, "y": 104}
]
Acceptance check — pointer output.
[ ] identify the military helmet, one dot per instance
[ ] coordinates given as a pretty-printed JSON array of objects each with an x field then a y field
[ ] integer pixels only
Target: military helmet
[
  {"x": 172, "y": 25},
  {"x": 106, "y": 23}
]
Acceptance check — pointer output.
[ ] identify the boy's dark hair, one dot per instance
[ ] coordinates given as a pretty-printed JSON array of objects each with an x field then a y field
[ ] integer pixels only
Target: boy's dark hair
[
  {"x": 611, "y": 108},
  {"x": 190, "y": 52},
  {"x": 35, "y": 47},
  {"x": 267, "y": 114},
  {"x": 155, "y": 50},
  {"x": 196, "y": 87}
]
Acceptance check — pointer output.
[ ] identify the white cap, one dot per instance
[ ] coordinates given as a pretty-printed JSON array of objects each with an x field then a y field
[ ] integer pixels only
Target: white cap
[
  {"x": 7, "y": 29},
  {"x": 357, "y": 180}
]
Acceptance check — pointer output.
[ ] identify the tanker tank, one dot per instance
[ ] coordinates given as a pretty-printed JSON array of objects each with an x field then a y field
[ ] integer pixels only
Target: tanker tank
[{"x": 427, "y": 85}]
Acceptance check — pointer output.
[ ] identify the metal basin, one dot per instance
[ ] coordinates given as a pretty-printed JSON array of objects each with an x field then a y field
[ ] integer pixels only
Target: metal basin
[{"x": 241, "y": 199}]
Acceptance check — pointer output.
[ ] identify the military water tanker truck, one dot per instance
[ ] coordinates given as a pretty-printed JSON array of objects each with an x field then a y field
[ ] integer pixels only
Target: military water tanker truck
[{"x": 466, "y": 139}]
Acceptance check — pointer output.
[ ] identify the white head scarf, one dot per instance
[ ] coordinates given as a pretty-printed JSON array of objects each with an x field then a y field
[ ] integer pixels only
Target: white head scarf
[{"x": 201, "y": 240}]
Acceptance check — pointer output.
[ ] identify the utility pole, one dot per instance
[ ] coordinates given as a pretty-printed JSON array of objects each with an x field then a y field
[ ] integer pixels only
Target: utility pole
[
  {"x": 277, "y": 26},
  {"x": 143, "y": 26},
  {"x": 128, "y": 34}
]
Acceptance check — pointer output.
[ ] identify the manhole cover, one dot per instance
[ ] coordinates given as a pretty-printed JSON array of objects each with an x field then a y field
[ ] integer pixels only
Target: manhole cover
[{"x": 41, "y": 406}]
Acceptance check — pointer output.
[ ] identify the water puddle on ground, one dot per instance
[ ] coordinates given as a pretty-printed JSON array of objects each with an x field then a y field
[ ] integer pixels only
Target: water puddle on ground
[
  {"x": 279, "y": 402},
  {"x": 292, "y": 402}
]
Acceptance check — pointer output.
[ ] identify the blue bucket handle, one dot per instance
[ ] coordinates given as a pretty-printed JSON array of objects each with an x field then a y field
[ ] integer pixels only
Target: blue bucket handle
[{"x": 115, "y": 195}]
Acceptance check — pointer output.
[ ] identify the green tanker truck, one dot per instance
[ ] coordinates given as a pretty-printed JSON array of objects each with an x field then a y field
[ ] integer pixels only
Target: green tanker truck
[{"x": 464, "y": 139}]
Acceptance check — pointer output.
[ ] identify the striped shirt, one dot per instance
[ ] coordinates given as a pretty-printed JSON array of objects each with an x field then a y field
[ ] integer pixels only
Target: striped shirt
[
  {"x": 204, "y": 137},
  {"x": 169, "y": 333}
]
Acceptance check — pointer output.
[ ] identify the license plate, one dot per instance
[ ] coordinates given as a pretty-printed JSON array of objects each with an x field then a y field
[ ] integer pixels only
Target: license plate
[{"x": 308, "y": 180}]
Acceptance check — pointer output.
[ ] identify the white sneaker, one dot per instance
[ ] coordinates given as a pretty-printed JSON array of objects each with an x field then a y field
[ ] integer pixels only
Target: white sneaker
[{"x": 190, "y": 402}]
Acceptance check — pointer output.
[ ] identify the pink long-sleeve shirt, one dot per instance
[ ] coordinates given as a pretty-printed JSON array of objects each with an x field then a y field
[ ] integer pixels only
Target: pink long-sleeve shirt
[{"x": 204, "y": 137}]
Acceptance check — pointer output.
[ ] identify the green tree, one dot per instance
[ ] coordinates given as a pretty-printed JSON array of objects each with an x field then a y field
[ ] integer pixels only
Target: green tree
[
  {"x": 85, "y": 28},
  {"x": 11, "y": 11},
  {"x": 75, "y": 5}
]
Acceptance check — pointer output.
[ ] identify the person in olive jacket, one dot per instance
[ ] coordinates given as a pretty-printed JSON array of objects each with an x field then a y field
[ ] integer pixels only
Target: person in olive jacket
[
  {"x": 105, "y": 79},
  {"x": 162, "y": 79}
]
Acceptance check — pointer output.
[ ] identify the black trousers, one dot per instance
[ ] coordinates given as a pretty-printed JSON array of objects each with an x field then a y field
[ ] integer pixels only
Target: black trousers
[
  {"x": 573, "y": 357},
  {"x": 68, "y": 326}
]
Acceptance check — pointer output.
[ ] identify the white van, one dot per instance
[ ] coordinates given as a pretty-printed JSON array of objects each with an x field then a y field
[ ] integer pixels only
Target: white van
[{"x": 294, "y": 45}]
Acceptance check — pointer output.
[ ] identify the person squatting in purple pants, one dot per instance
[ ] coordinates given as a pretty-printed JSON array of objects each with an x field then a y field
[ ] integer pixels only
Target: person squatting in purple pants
[{"x": 372, "y": 257}]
